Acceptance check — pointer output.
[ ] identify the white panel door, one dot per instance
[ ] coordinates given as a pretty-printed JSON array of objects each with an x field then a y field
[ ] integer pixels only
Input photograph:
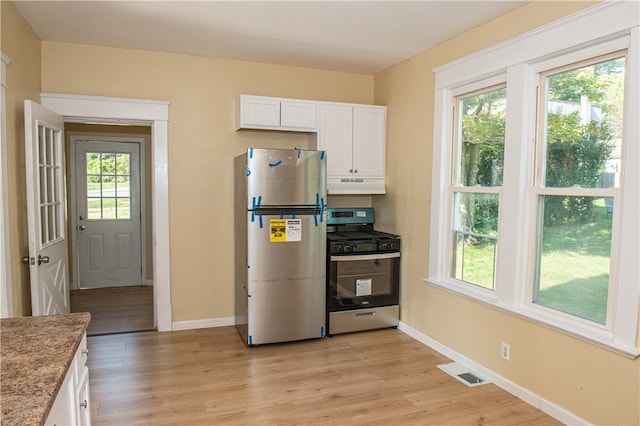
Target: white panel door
[
  {"x": 46, "y": 210},
  {"x": 107, "y": 178}
]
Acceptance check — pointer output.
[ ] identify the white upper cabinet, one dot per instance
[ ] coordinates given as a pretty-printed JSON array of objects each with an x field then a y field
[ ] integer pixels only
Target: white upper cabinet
[
  {"x": 353, "y": 137},
  {"x": 261, "y": 112}
]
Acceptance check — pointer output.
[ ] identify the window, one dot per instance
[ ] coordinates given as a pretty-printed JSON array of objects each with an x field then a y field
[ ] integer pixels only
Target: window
[
  {"x": 580, "y": 149},
  {"x": 479, "y": 147},
  {"x": 108, "y": 185},
  {"x": 51, "y": 181},
  {"x": 535, "y": 197}
]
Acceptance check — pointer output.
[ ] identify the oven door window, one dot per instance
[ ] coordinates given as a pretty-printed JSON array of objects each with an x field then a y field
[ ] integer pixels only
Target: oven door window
[{"x": 363, "y": 281}]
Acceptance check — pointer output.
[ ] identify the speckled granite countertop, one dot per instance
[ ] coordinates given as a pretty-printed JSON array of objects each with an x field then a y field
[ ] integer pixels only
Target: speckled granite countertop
[{"x": 36, "y": 353}]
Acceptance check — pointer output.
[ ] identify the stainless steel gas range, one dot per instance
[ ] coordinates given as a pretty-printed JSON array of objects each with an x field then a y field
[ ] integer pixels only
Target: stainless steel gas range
[{"x": 363, "y": 273}]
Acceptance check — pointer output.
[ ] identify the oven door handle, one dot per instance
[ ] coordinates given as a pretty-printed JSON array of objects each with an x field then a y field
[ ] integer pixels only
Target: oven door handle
[{"x": 354, "y": 257}]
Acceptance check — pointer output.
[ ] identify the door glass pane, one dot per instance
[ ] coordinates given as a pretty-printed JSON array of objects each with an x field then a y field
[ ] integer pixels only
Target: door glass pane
[
  {"x": 122, "y": 164},
  {"x": 108, "y": 185},
  {"x": 124, "y": 208},
  {"x": 584, "y": 126},
  {"x": 574, "y": 256},
  {"x": 51, "y": 225},
  {"x": 94, "y": 208},
  {"x": 93, "y": 163},
  {"x": 475, "y": 236},
  {"x": 123, "y": 186},
  {"x": 43, "y": 183},
  {"x": 108, "y": 208},
  {"x": 44, "y": 233},
  {"x": 50, "y": 147},
  {"x": 108, "y": 163}
]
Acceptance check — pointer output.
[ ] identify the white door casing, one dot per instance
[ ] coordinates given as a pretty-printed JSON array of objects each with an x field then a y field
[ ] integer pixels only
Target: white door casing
[
  {"x": 6, "y": 307},
  {"x": 107, "y": 215},
  {"x": 46, "y": 210},
  {"x": 96, "y": 109}
]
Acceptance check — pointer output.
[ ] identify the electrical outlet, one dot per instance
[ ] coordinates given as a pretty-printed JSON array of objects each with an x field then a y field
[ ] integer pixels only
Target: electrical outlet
[{"x": 505, "y": 351}]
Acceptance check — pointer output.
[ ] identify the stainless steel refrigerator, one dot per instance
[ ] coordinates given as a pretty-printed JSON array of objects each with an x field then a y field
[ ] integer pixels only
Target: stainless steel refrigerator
[{"x": 280, "y": 245}]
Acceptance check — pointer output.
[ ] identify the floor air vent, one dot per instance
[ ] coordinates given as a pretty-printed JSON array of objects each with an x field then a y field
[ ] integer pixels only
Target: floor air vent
[{"x": 463, "y": 374}]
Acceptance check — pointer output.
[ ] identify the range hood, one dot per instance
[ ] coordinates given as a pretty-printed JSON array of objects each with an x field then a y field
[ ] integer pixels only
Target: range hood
[{"x": 355, "y": 186}]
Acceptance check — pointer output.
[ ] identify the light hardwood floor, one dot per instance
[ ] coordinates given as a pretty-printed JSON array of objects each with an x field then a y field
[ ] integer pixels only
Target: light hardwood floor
[
  {"x": 115, "y": 309},
  {"x": 209, "y": 377}
]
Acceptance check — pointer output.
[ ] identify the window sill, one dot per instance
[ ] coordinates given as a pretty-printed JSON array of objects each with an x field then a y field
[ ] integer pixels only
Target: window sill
[{"x": 591, "y": 334}]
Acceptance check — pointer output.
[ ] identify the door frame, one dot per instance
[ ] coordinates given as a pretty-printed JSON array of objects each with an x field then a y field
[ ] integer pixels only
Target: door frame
[
  {"x": 107, "y": 110},
  {"x": 73, "y": 139},
  {"x": 6, "y": 298}
]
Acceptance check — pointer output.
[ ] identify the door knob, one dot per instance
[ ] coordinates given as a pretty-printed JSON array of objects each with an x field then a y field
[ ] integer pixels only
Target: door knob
[
  {"x": 43, "y": 259},
  {"x": 82, "y": 227},
  {"x": 26, "y": 260}
]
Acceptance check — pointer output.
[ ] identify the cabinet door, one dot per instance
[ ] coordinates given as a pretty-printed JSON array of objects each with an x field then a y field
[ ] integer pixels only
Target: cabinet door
[
  {"x": 369, "y": 135},
  {"x": 63, "y": 410},
  {"x": 83, "y": 407},
  {"x": 335, "y": 135},
  {"x": 298, "y": 115},
  {"x": 259, "y": 112}
]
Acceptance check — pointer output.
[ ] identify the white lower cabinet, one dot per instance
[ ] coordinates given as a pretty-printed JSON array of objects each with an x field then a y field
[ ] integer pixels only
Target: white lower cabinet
[{"x": 71, "y": 406}]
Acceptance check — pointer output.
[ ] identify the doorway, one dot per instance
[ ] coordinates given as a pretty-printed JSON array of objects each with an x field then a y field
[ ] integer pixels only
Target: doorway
[
  {"x": 110, "y": 253},
  {"x": 154, "y": 113}
]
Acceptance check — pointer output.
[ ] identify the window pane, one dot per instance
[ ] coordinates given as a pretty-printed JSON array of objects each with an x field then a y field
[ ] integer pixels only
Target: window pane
[
  {"x": 122, "y": 164},
  {"x": 93, "y": 163},
  {"x": 108, "y": 186},
  {"x": 481, "y": 146},
  {"x": 108, "y": 164},
  {"x": 584, "y": 126},
  {"x": 475, "y": 236},
  {"x": 574, "y": 257},
  {"x": 124, "y": 208},
  {"x": 108, "y": 208},
  {"x": 123, "y": 186},
  {"x": 94, "y": 208}
]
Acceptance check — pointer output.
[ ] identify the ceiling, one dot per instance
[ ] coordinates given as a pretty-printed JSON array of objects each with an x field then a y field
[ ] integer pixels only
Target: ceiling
[{"x": 353, "y": 36}]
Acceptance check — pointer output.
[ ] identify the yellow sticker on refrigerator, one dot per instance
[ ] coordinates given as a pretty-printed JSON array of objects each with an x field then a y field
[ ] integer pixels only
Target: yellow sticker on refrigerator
[{"x": 285, "y": 230}]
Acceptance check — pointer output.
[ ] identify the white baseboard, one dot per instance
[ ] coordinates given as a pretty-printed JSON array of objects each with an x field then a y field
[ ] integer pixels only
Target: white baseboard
[
  {"x": 204, "y": 323},
  {"x": 524, "y": 394},
  {"x": 149, "y": 283}
]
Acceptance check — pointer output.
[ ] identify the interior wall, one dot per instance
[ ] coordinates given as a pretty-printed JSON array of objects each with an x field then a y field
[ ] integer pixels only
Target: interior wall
[
  {"x": 97, "y": 130},
  {"x": 592, "y": 383},
  {"x": 21, "y": 44},
  {"x": 202, "y": 144}
]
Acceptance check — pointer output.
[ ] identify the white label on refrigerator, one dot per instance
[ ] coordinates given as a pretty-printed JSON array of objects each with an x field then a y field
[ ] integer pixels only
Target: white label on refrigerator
[
  {"x": 294, "y": 230},
  {"x": 363, "y": 287}
]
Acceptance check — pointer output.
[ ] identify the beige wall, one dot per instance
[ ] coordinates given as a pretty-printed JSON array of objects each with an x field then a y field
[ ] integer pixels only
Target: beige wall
[
  {"x": 23, "y": 47},
  {"x": 202, "y": 144},
  {"x": 593, "y": 383}
]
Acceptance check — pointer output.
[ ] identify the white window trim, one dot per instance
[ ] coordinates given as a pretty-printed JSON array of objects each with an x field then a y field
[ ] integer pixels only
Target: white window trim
[{"x": 522, "y": 58}]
